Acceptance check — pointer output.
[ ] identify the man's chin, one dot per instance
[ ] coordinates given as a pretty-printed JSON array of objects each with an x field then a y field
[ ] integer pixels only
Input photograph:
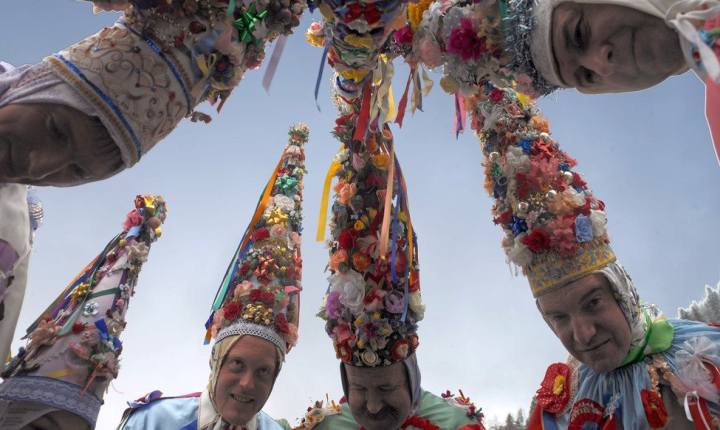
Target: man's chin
[{"x": 388, "y": 424}]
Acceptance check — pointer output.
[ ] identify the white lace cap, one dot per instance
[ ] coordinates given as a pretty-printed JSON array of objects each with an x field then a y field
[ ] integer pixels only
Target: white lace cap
[{"x": 242, "y": 327}]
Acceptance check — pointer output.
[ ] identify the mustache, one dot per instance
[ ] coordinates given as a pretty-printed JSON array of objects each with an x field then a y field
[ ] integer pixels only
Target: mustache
[{"x": 383, "y": 414}]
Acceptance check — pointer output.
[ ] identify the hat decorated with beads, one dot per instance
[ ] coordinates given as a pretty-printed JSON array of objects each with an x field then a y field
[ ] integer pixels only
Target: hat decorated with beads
[
  {"x": 555, "y": 228},
  {"x": 164, "y": 57},
  {"x": 73, "y": 347},
  {"x": 373, "y": 303},
  {"x": 260, "y": 293}
]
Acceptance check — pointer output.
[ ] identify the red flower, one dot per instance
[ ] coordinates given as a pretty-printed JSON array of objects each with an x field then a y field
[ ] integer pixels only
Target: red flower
[
  {"x": 496, "y": 95},
  {"x": 343, "y": 352},
  {"x": 523, "y": 185},
  {"x": 578, "y": 181},
  {"x": 404, "y": 36},
  {"x": 255, "y": 296},
  {"x": 231, "y": 311},
  {"x": 472, "y": 427},
  {"x": 260, "y": 234},
  {"x": 369, "y": 12},
  {"x": 244, "y": 269},
  {"x": 346, "y": 238},
  {"x": 400, "y": 350},
  {"x": 420, "y": 423},
  {"x": 268, "y": 298},
  {"x": 78, "y": 327},
  {"x": 538, "y": 240},
  {"x": 554, "y": 392},
  {"x": 133, "y": 218},
  {"x": 504, "y": 218},
  {"x": 655, "y": 411},
  {"x": 586, "y": 411},
  {"x": 281, "y": 324},
  {"x": 464, "y": 41}
]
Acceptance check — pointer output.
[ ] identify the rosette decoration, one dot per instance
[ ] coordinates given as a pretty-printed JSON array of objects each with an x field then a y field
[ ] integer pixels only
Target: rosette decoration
[
  {"x": 373, "y": 303},
  {"x": 260, "y": 292},
  {"x": 555, "y": 228},
  {"x": 73, "y": 347},
  {"x": 164, "y": 57}
]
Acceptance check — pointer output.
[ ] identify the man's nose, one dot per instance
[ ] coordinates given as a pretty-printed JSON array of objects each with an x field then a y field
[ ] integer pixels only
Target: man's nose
[
  {"x": 600, "y": 60},
  {"x": 374, "y": 403},
  {"x": 583, "y": 331},
  {"x": 247, "y": 380}
]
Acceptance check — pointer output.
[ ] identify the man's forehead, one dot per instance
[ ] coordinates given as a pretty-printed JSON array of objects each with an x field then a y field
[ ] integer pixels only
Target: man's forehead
[
  {"x": 574, "y": 293},
  {"x": 374, "y": 376}
]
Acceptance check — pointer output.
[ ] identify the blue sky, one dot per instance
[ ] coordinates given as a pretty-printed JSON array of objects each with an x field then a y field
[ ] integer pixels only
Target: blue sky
[{"x": 648, "y": 155}]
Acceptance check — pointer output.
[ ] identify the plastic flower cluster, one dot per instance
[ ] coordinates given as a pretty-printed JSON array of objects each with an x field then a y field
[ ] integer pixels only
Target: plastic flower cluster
[
  {"x": 356, "y": 32},
  {"x": 87, "y": 318},
  {"x": 223, "y": 38},
  {"x": 373, "y": 303},
  {"x": 317, "y": 412},
  {"x": 543, "y": 205},
  {"x": 263, "y": 282}
]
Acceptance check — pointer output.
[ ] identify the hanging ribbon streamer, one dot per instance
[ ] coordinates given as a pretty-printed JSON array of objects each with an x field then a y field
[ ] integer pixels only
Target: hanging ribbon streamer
[
  {"x": 364, "y": 116},
  {"x": 274, "y": 61},
  {"x": 712, "y": 113},
  {"x": 460, "y": 115},
  {"x": 320, "y": 73},
  {"x": 403, "y": 100},
  {"x": 324, "y": 201},
  {"x": 696, "y": 410},
  {"x": 385, "y": 229}
]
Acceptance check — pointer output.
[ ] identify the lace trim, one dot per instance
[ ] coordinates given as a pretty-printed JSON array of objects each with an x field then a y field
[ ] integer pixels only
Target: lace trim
[{"x": 242, "y": 328}]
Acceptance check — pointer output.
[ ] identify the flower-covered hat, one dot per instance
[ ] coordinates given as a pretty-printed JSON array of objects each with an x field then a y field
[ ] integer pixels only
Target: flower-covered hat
[
  {"x": 260, "y": 293},
  {"x": 555, "y": 228},
  {"x": 149, "y": 71},
  {"x": 373, "y": 303},
  {"x": 73, "y": 347}
]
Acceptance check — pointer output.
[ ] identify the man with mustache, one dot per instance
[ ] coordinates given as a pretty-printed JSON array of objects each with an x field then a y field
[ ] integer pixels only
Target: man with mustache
[
  {"x": 629, "y": 368},
  {"x": 254, "y": 318},
  {"x": 373, "y": 304}
]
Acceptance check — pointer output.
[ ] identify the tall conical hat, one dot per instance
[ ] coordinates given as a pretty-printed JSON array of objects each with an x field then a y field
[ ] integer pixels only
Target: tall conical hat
[
  {"x": 260, "y": 293},
  {"x": 73, "y": 347}
]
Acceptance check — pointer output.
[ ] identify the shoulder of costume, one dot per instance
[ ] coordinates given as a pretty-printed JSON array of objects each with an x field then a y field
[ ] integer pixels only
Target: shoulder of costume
[
  {"x": 156, "y": 408},
  {"x": 266, "y": 422},
  {"x": 449, "y": 411}
]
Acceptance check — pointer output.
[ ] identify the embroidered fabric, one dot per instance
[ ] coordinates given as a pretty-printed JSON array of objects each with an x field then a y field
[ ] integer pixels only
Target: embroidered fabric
[
  {"x": 52, "y": 392},
  {"x": 242, "y": 328}
]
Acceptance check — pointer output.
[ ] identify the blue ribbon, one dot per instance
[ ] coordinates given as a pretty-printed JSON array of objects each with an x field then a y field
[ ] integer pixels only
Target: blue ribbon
[{"x": 320, "y": 73}]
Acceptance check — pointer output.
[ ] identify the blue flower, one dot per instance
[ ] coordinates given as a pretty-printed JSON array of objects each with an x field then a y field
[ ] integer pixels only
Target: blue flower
[
  {"x": 583, "y": 228},
  {"x": 526, "y": 145},
  {"x": 518, "y": 225},
  {"x": 564, "y": 167}
]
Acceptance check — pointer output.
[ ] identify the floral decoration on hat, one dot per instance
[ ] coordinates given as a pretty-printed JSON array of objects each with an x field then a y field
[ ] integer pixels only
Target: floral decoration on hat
[
  {"x": 555, "y": 228},
  {"x": 73, "y": 347},
  {"x": 262, "y": 284},
  {"x": 373, "y": 303}
]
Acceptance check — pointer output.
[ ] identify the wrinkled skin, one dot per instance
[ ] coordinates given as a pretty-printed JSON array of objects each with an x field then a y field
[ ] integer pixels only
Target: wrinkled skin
[
  {"x": 602, "y": 48},
  {"x": 379, "y": 398},
  {"x": 589, "y": 322},
  {"x": 50, "y": 144},
  {"x": 245, "y": 379}
]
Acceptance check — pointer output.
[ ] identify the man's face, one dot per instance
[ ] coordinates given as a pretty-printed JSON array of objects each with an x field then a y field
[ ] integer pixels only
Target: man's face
[
  {"x": 379, "y": 398},
  {"x": 245, "y": 379},
  {"x": 50, "y": 144},
  {"x": 602, "y": 48},
  {"x": 588, "y": 321}
]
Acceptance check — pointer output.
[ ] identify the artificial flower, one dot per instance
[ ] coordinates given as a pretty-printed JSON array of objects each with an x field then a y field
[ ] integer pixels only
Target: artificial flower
[
  {"x": 429, "y": 52},
  {"x": 404, "y": 35},
  {"x": 655, "y": 412},
  {"x": 373, "y": 299},
  {"x": 134, "y": 218},
  {"x": 554, "y": 392},
  {"x": 333, "y": 307},
  {"x": 599, "y": 223},
  {"x": 232, "y": 311},
  {"x": 337, "y": 258},
  {"x": 260, "y": 234},
  {"x": 360, "y": 261},
  {"x": 351, "y": 286},
  {"x": 464, "y": 41},
  {"x": 416, "y": 305},
  {"x": 400, "y": 350},
  {"x": 583, "y": 228},
  {"x": 369, "y": 357},
  {"x": 281, "y": 323},
  {"x": 537, "y": 241},
  {"x": 563, "y": 235},
  {"x": 394, "y": 302}
]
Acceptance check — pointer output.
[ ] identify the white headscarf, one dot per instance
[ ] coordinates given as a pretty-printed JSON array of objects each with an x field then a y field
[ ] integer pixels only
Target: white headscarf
[{"x": 678, "y": 14}]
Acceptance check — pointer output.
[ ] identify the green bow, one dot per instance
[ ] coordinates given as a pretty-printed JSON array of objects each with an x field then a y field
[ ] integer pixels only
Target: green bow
[
  {"x": 658, "y": 338},
  {"x": 247, "y": 22}
]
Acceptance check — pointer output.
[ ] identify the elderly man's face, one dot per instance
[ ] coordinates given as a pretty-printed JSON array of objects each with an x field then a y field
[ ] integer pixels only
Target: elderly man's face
[
  {"x": 50, "y": 144},
  {"x": 609, "y": 48},
  {"x": 245, "y": 379},
  {"x": 588, "y": 321},
  {"x": 379, "y": 398}
]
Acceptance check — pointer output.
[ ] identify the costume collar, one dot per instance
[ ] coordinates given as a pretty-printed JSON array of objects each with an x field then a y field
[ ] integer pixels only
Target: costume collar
[
  {"x": 209, "y": 419},
  {"x": 658, "y": 338}
]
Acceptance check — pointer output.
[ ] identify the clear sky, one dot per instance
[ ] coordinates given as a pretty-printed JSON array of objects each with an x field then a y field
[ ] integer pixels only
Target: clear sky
[{"x": 647, "y": 155}]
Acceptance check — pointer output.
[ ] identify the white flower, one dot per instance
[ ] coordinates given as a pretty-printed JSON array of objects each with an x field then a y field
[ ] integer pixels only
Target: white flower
[
  {"x": 351, "y": 287},
  {"x": 516, "y": 160},
  {"x": 138, "y": 252},
  {"x": 416, "y": 305},
  {"x": 520, "y": 254},
  {"x": 341, "y": 156},
  {"x": 599, "y": 223},
  {"x": 284, "y": 202},
  {"x": 576, "y": 198}
]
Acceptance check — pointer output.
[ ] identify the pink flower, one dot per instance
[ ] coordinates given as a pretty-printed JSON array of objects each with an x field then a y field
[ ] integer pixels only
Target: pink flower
[
  {"x": 292, "y": 335},
  {"x": 430, "y": 52},
  {"x": 562, "y": 236},
  {"x": 133, "y": 218},
  {"x": 465, "y": 43},
  {"x": 404, "y": 36},
  {"x": 333, "y": 307}
]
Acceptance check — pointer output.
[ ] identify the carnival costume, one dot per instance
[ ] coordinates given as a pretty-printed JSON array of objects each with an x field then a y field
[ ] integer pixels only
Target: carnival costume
[
  {"x": 697, "y": 23},
  {"x": 259, "y": 296},
  {"x": 74, "y": 346},
  {"x": 373, "y": 303},
  {"x": 555, "y": 231}
]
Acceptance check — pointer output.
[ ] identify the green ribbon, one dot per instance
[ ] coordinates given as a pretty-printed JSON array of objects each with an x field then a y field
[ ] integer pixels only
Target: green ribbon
[
  {"x": 658, "y": 338},
  {"x": 247, "y": 22},
  {"x": 287, "y": 185}
]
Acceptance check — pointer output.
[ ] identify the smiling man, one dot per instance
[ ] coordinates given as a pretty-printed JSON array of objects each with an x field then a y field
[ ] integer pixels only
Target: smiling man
[
  {"x": 629, "y": 368},
  {"x": 254, "y": 318}
]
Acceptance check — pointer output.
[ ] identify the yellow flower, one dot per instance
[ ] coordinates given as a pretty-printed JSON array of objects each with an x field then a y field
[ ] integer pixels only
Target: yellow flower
[
  {"x": 449, "y": 85},
  {"x": 558, "y": 385},
  {"x": 356, "y": 75},
  {"x": 81, "y": 291},
  {"x": 415, "y": 12},
  {"x": 277, "y": 216},
  {"x": 381, "y": 161}
]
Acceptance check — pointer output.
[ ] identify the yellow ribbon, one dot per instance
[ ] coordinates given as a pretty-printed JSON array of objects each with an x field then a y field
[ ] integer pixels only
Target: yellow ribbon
[
  {"x": 324, "y": 200},
  {"x": 59, "y": 373},
  {"x": 385, "y": 230},
  {"x": 206, "y": 67}
]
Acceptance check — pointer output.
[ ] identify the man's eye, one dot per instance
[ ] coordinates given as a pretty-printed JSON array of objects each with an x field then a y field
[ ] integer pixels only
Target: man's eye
[
  {"x": 387, "y": 389},
  {"x": 578, "y": 38},
  {"x": 54, "y": 129},
  {"x": 587, "y": 76}
]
